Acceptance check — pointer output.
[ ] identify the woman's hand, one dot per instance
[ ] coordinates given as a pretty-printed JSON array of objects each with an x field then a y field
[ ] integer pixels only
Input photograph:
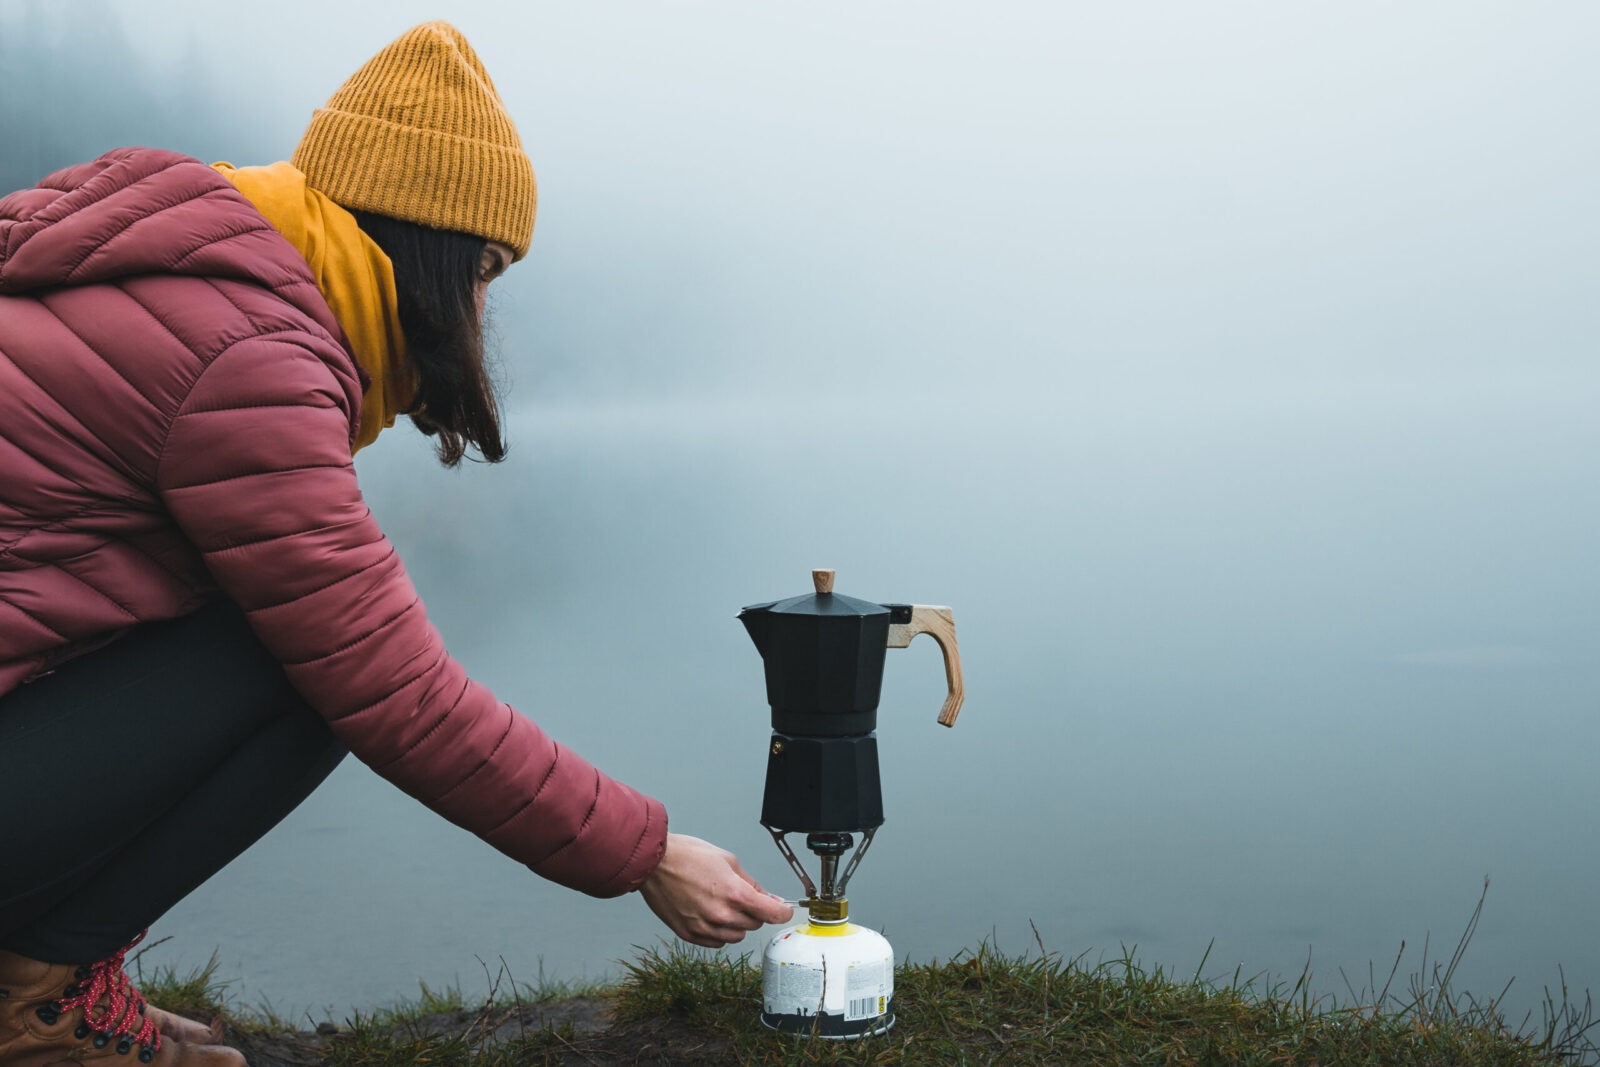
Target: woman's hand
[{"x": 704, "y": 896}]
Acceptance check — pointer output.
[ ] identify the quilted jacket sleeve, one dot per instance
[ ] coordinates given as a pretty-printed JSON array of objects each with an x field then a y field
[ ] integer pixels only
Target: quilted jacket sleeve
[{"x": 256, "y": 470}]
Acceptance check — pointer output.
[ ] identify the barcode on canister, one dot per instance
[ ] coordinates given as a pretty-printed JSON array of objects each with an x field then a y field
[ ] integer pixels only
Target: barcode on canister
[{"x": 864, "y": 1008}]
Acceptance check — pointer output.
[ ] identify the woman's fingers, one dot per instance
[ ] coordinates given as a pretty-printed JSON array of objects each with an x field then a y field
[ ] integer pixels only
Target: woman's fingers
[
  {"x": 740, "y": 871},
  {"x": 756, "y": 907},
  {"x": 705, "y": 897},
  {"x": 716, "y": 938}
]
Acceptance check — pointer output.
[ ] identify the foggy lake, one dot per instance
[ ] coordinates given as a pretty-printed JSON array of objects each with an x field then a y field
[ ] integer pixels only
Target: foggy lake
[
  {"x": 1203, "y": 703},
  {"x": 1230, "y": 374}
]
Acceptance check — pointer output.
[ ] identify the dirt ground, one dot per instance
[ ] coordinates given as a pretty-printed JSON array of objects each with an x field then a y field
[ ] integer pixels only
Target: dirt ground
[{"x": 594, "y": 1039}]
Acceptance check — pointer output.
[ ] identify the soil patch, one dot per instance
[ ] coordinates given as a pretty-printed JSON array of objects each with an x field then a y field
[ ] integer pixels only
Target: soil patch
[{"x": 576, "y": 1030}]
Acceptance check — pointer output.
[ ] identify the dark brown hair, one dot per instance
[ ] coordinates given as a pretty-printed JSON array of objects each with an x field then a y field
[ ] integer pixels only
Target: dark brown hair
[{"x": 436, "y": 278}]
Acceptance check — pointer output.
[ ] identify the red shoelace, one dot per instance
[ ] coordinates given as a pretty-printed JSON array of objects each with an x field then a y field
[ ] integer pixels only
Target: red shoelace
[{"x": 123, "y": 1015}]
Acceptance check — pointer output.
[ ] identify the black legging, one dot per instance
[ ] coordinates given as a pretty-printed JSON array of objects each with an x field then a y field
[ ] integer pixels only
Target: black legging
[{"x": 132, "y": 774}]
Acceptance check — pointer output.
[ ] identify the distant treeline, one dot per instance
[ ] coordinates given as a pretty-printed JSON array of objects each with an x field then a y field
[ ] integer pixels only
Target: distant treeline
[{"x": 72, "y": 86}]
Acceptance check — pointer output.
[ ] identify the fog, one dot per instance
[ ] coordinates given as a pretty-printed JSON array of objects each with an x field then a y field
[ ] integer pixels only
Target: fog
[{"x": 1229, "y": 369}]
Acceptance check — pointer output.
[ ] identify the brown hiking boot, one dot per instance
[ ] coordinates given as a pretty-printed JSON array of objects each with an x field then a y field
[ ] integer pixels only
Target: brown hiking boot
[{"x": 58, "y": 1015}]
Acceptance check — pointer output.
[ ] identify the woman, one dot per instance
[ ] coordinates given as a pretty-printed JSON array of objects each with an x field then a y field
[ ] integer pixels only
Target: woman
[{"x": 198, "y": 614}]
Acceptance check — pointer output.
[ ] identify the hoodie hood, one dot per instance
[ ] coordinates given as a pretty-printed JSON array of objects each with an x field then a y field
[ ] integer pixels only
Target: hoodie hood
[{"x": 91, "y": 224}]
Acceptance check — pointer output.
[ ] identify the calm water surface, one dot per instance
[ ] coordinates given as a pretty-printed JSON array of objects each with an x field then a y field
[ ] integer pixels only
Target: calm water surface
[{"x": 1294, "y": 681}]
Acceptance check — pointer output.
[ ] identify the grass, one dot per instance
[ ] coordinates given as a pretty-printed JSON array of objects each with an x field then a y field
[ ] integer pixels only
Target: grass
[
  {"x": 985, "y": 1007},
  {"x": 197, "y": 994},
  {"x": 506, "y": 1028},
  {"x": 982, "y": 1007}
]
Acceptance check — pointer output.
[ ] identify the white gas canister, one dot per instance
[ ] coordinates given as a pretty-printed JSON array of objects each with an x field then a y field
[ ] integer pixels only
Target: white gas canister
[{"x": 832, "y": 980}]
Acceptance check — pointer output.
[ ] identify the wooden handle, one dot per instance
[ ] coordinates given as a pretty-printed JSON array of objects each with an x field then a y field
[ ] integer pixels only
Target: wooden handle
[
  {"x": 823, "y": 580},
  {"x": 938, "y": 623}
]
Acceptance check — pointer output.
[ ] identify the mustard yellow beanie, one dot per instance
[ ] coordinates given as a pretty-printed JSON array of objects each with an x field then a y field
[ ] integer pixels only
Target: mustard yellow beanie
[{"x": 419, "y": 133}]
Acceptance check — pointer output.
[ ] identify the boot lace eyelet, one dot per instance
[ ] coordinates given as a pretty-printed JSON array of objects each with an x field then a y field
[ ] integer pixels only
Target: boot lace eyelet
[{"x": 113, "y": 1009}]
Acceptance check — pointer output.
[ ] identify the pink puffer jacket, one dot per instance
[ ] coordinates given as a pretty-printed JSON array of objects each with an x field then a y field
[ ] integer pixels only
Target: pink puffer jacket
[{"x": 177, "y": 406}]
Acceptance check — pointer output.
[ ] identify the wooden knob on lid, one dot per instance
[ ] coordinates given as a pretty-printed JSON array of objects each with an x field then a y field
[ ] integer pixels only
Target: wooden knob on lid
[{"x": 823, "y": 579}]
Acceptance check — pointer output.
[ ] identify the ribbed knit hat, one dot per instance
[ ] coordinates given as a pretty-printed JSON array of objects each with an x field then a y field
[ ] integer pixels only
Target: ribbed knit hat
[{"x": 419, "y": 133}]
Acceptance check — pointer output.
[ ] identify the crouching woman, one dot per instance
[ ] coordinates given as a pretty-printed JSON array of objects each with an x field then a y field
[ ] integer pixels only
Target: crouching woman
[{"x": 199, "y": 616}]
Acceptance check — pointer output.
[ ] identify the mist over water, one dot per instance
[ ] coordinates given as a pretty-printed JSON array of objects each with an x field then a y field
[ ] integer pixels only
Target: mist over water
[
  {"x": 1231, "y": 376},
  {"x": 1202, "y": 704}
]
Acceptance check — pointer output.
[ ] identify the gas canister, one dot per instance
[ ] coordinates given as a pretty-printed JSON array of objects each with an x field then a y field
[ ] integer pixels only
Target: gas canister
[{"x": 829, "y": 980}]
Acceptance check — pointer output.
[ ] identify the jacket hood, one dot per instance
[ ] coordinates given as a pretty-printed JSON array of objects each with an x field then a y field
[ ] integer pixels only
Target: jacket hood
[{"x": 96, "y": 223}]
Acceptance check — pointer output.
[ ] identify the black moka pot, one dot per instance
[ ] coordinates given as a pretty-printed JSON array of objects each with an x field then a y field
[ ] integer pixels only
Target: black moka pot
[{"x": 824, "y": 654}]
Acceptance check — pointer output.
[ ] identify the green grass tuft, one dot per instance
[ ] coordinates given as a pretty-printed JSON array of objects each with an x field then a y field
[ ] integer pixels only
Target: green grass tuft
[
  {"x": 199, "y": 994},
  {"x": 985, "y": 1007},
  {"x": 679, "y": 1005}
]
